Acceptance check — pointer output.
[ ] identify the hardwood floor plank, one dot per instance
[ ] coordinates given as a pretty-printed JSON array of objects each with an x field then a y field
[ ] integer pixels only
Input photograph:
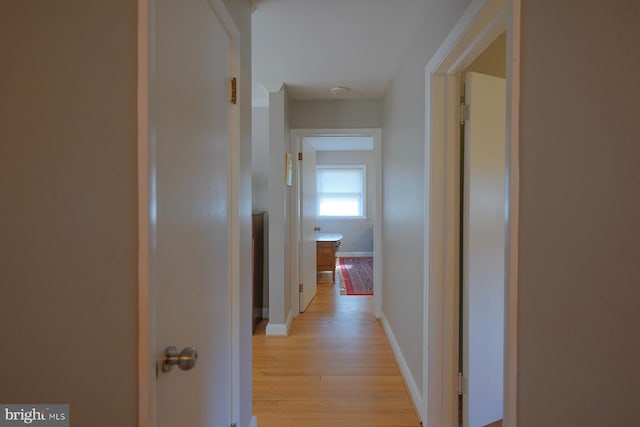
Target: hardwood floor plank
[{"x": 335, "y": 369}]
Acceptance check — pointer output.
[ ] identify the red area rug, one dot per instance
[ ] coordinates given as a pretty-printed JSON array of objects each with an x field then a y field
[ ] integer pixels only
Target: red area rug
[{"x": 357, "y": 273}]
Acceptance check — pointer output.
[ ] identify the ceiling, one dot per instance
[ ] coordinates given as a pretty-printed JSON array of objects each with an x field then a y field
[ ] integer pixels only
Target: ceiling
[{"x": 314, "y": 45}]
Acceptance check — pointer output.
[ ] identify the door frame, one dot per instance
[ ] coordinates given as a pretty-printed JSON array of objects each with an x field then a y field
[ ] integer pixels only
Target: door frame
[
  {"x": 296, "y": 136},
  {"x": 479, "y": 25},
  {"x": 146, "y": 211}
]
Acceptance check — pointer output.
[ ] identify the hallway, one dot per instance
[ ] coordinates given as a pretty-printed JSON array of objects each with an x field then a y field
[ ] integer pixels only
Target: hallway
[{"x": 335, "y": 369}]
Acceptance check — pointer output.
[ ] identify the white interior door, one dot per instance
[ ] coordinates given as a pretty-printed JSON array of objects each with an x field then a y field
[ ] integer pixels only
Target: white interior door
[
  {"x": 308, "y": 224},
  {"x": 484, "y": 249},
  {"x": 191, "y": 122}
]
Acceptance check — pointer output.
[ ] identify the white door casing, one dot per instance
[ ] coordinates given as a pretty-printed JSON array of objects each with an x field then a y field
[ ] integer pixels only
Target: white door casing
[
  {"x": 188, "y": 211},
  {"x": 484, "y": 249},
  {"x": 308, "y": 223},
  {"x": 481, "y": 22}
]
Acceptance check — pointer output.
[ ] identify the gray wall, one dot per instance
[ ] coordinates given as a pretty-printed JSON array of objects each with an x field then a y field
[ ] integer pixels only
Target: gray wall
[
  {"x": 355, "y": 114},
  {"x": 260, "y": 181},
  {"x": 579, "y": 322},
  {"x": 68, "y": 259},
  {"x": 403, "y": 186},
  {"x": 260, "y": 157},
  {"x": 279, "y": 220},
  {"x": 578, "y": 333},
  {"x": 358, "y": 233}
]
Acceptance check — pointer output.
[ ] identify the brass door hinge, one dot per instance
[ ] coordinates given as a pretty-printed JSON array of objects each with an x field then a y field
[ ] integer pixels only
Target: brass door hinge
[
  {"x": 300, "y": 155},
  {"x": 233, "y": 92},
  {"x": 301, "y": 288}
]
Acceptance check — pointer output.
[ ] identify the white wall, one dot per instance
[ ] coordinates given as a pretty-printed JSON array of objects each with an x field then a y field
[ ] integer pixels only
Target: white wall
[
  {"x": 68, "y": 258},
  {"x": 357, "y": 114},
  {"x": 579, "y": 323},
  {"x": 403, "y": 187},
  {"x": 358, "y": 233}
]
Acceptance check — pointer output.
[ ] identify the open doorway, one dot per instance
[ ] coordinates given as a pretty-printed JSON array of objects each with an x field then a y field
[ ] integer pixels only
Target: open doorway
[
  {"x": 482, "y": 24},
  {"x": 482, "y": 238},
  {"x": 353, "y": 153}
]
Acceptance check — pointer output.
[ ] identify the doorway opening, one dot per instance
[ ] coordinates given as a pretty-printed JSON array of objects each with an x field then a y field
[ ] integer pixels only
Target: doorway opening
[
  {"x": 348, "y": 154},
  {"x": 482, "y": 246},
  {"x": 482, "y": 23}
]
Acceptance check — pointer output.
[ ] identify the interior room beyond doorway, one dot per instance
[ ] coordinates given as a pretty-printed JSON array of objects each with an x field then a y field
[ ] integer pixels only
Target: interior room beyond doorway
[{"x": 345, "y": 169}]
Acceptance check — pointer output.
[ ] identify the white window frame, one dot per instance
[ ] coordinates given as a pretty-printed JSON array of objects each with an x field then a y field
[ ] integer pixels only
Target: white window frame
[{"x": 360, "y": 167}]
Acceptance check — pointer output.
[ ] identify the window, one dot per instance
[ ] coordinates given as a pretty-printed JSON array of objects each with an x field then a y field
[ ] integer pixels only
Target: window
[{"x": 341, "y": 190}]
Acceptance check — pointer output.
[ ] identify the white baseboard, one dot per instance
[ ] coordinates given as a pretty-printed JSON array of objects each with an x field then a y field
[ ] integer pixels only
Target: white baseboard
[
  {"x": 254, "y": 422},
  {"x": 404, "y": 369},
  {"x": 353, "y": 254},
  {"x": 276, "y": 329},
  {"x": 281, "y": 329}
]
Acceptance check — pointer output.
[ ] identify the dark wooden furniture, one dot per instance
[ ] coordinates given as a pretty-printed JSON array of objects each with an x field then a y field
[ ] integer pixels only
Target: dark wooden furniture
[
  {"x": 326, "y": 247},
  {"x": 258, "y": 266}
]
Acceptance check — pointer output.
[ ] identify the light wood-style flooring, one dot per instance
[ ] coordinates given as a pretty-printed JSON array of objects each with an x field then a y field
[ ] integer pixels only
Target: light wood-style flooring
[{"x": 335, "y": 369}]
